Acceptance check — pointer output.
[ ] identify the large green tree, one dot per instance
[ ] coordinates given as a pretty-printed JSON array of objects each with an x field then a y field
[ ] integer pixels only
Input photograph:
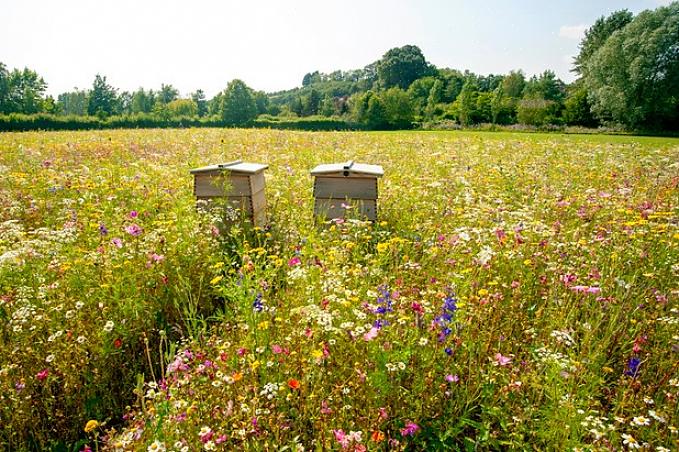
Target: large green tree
[
  {"x": 401, "y": 66},
  {"x": 597, "y": 34},
  {"x": 25, "y": 91},
  {"x": 633, "y": 78},
  {"x": 102, "y": 98},
  {"x": 73, "y": 102},
  {"x": 238, "y": 104},
  {"x": 4, "y": 90}
]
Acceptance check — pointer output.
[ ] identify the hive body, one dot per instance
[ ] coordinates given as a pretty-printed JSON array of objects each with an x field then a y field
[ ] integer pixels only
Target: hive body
[
  {"x": 346, "y": 189},
  {"x": 238, "y": 185}
]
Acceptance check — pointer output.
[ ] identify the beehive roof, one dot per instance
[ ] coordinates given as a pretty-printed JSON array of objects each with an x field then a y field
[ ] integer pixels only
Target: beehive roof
[
  {"x": 237, "y": 166},
  {"x": 351, "y": 166}
]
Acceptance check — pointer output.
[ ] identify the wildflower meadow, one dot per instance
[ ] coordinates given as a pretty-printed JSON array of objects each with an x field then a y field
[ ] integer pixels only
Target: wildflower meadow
[{"x": 518, "y": 291}]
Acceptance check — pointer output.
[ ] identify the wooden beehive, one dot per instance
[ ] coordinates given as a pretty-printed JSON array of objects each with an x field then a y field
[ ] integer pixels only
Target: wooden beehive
[
  {"x": 238, "y": 184},
  {"x": 346, "y": 189}
]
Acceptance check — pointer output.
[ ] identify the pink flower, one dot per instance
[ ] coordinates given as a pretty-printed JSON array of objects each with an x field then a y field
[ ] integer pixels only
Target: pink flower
[
  {"x": 452, "y": 378},
  {"x": 277, "y": 349},
  {"x": 42, "y": 375},
  {"x": 501, "y": 360},
  {"x": 586, "y": 289},
  {"x": 410, "y": 429},
  {"x": 221, "y": 439},
  {"x": 134, "y": 214},
  {"x": 370, "y": 335},
  {"x": 117, "y": 242},
  {"x": 294, "y": 261},
  {"x": 324, "y": 408},
  {"x": 341, "y": 438},
  {"x": 133, "y": 229}
]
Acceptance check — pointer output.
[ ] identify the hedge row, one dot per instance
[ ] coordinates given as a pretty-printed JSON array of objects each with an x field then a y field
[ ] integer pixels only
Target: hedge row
[{"x": 42, "y": 121}]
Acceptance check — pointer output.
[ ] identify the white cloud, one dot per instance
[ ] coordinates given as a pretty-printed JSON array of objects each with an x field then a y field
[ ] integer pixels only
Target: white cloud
[{"x": 576, "y": 32}]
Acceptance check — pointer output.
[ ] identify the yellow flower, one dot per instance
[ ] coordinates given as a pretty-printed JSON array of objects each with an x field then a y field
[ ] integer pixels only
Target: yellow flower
[
  {"x": 382, "y": 247},
  {"x": 216, "y": 279},
  {"x": 317, "y": 354},
  {"x": 91, "y": 425}
]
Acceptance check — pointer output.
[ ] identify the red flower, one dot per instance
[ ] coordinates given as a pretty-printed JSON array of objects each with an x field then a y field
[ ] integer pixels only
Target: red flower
[
  {"x": 42, "y": 375},
  {"x": 118, "y": 343},
  {"x": 293, "y": 384}
]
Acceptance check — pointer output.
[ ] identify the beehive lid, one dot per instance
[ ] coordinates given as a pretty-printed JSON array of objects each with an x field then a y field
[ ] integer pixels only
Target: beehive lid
[
  {"x": 351, "y": 167},
  {"x": 237, "y": 166}
]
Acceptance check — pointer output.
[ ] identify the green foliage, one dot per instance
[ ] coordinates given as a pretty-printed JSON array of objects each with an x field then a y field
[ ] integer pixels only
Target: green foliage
[
  {"x": 21, "y": 91},
  {"x": 577, "y": 109},
  {"x": 537, "y": 112},
  {"x": 513, "y": 84},
  {"x": 633, "y": 78},
  {"x": 466, "y": 104},
  {"x": 167, "y": 93},
  {"x": 238, "y": 104},
  {"x": 183, "y": 107},
  {"x": 398, "y": 109},
  {"x": 201, "y": 104},
  {"x": 102, "y": 98},
  {"x": 401, "y": 66},
  {"x": 143, "y": 101},
  {"x": 597, "y": 34}
]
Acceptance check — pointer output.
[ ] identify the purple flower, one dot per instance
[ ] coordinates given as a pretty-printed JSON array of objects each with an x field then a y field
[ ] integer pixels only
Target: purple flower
[
  {"x": 134, "y": 214},
  {"x": 410, "y": 429},
  {"x": 102, "y": 229},
  {"x": 258, "y": 304},
  {"x": 133, "y": 229},
  {"x": 633, "y": 367}
]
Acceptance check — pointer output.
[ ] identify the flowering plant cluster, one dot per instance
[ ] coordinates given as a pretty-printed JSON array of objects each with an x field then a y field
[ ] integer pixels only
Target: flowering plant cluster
[{"x": 518, "y": 291}]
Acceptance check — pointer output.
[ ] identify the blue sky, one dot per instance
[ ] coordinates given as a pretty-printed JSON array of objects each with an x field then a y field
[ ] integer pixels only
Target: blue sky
[{"x": 272, "y": 44}]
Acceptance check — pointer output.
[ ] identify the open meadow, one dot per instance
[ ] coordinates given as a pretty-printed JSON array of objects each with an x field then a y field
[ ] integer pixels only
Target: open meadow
[{"x": 518, "y": 291}]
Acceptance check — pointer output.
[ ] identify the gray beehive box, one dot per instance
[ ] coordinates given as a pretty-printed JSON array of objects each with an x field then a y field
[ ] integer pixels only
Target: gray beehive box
[
  {"x": 346, "y": 189},
  {"x": 240, "y": 184}
]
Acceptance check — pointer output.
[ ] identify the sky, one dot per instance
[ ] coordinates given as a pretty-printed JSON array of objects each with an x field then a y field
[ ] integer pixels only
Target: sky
[{"x": 203, "y": 44}]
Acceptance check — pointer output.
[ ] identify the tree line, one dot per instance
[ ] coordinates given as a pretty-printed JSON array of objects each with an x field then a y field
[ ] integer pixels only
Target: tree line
[{"x": 627, "y": 75}]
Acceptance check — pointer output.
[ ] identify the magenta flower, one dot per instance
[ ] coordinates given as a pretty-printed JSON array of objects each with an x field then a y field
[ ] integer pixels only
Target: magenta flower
[
  {"x": 294, "y": 261},
  {"x": 410, "y": 429},
  {"x": 133, "y": 229},
  {"x": 42, "y": 375},
  {"x": 452, "y": 378},
  {"x": 134, "y": 214}
]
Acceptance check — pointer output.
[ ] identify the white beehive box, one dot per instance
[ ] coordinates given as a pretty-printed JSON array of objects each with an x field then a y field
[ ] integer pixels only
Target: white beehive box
[
  {"x": 346, "y": 189},
  {"x": 240, "y": 184}
]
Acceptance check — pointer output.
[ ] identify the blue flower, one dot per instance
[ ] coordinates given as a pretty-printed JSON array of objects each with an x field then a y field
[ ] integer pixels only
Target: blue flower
[
  {"x": 633, "y": 366},
  {"x": 258, "y": 304}
]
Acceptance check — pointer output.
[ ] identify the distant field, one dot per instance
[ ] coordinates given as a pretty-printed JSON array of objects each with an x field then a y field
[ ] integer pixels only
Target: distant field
[{"x": 517, "y": 291}]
